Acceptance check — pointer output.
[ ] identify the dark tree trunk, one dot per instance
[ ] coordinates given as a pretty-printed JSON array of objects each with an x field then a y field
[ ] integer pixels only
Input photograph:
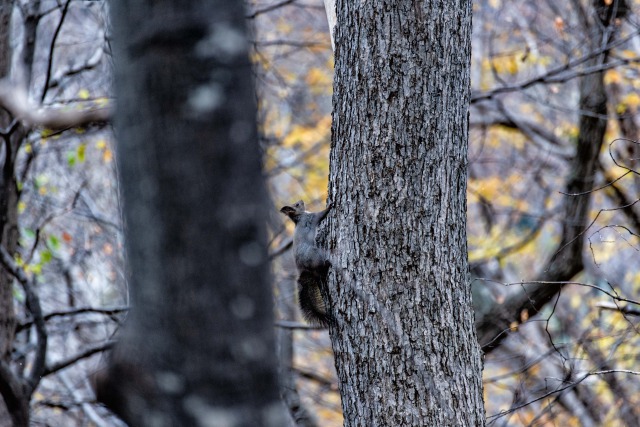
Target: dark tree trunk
[
  {"x": 198, "y": 347},
  {"x": 404, "y": 342}
]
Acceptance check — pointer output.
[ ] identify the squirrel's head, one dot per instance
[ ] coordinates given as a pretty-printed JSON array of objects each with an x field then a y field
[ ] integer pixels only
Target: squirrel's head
[{"x": 294, "y": 210}]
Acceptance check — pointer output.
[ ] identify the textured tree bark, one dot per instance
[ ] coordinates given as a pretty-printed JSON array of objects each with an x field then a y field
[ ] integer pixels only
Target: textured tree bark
[
  {"x": 198, "y": 348},
  {"x": 404, "y": 342}
]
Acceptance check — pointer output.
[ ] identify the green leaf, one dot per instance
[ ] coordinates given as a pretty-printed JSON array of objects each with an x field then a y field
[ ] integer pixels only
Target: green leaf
[
  {"x": 53, "y": 242},
  {"x": 71, "y": 158},
  {"x": 36, "y": 269},
  {"x": 40, "y": 181},
  {"x": 46, "y": 256}
]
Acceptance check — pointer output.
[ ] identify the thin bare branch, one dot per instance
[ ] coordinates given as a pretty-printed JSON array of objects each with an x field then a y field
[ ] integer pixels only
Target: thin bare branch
[
  {"x": 62, "y": 364},
  {"x": 107, "y": 311},
  {"x": 614, "y": 307},
  {"x": 56, "y": 33},
  {"x": 269, "y": 8},
  {"x": 561, "y": 73},
  {"x": 287, "y": 324}
]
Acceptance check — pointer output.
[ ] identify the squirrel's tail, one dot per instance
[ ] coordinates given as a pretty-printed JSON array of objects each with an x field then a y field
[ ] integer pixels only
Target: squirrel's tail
[{"x": 310, "y": 299}]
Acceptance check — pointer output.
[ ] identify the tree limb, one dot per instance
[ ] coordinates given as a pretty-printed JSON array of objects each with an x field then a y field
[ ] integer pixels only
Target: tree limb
[
  {"x": 16, "y": 102},
  {"x": 33, "y": 305}
]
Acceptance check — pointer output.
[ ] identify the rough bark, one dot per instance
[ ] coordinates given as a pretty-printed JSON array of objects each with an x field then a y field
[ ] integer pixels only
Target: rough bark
[
  {"x": 567, "y": 261},
  {"x": 198, "y": 347},
  {"x": 403, "y": 338}
]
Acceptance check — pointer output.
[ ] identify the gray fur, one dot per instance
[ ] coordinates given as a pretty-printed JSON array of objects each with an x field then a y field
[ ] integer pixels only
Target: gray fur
[{"x": 312, "y": 261}]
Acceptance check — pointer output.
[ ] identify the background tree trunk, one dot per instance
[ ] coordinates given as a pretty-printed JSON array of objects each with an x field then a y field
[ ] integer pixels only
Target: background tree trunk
[
  {"x": 404, "y": 341},
  {"x": 15, "y": 391},
  {"x": 199, "y": 344}
]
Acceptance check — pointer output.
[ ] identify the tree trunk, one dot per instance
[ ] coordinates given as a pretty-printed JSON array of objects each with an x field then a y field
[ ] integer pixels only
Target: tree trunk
[
  {"x": 8, "y": 210},
  {"x": 198, "y": 348},
  {"x": 403, "y": 337},
  {"x": 15, "y": 395}
]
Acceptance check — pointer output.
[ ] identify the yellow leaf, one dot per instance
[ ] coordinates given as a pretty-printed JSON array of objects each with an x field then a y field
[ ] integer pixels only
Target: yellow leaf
[
  {"x": 35, "y": 269},
  {"x": 83, "y": 94},
  {"x": 284, "y": 26},
  {"x": 628, "y": 53},
  {"x": 102, "y": 102},
  {"x": 318, "y": 77},
  {"x": 632, "y": 100},
  {"x": 505, "y": 64},
  {"x": 621, "y": 108},
  {"x": 107, "y": 156},
  {"x": 612, "y": 76}
]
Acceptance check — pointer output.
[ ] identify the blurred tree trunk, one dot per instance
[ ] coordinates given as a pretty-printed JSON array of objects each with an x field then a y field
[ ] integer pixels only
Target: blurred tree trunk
[
  {"x": 198, "y": 348},
  {"x": 404, "y": 342},
  {"x": 300, "y": 416},
  {"x": 8, "y": 228},
  {"x": 15, "y": 391}
]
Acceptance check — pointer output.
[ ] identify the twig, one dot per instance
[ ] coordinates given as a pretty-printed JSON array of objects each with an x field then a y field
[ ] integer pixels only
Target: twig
[
  {"x": 287, "y": 324},
  {"x": 76, "y": 358},
  {"x": 613, "y": 307},
  {"x": 56, "y": 33},
  {"x": 269, "y": 8},
  {"x": 82, "y": 310},
  {"x": 552, "y": 76}
]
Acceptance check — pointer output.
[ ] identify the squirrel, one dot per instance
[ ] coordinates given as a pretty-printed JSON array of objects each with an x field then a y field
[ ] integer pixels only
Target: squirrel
[{"x": 312, "y": 262}]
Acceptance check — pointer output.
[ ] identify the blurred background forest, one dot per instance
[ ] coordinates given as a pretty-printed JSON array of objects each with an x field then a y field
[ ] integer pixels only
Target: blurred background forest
[{"x": 553, "y": 143}]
